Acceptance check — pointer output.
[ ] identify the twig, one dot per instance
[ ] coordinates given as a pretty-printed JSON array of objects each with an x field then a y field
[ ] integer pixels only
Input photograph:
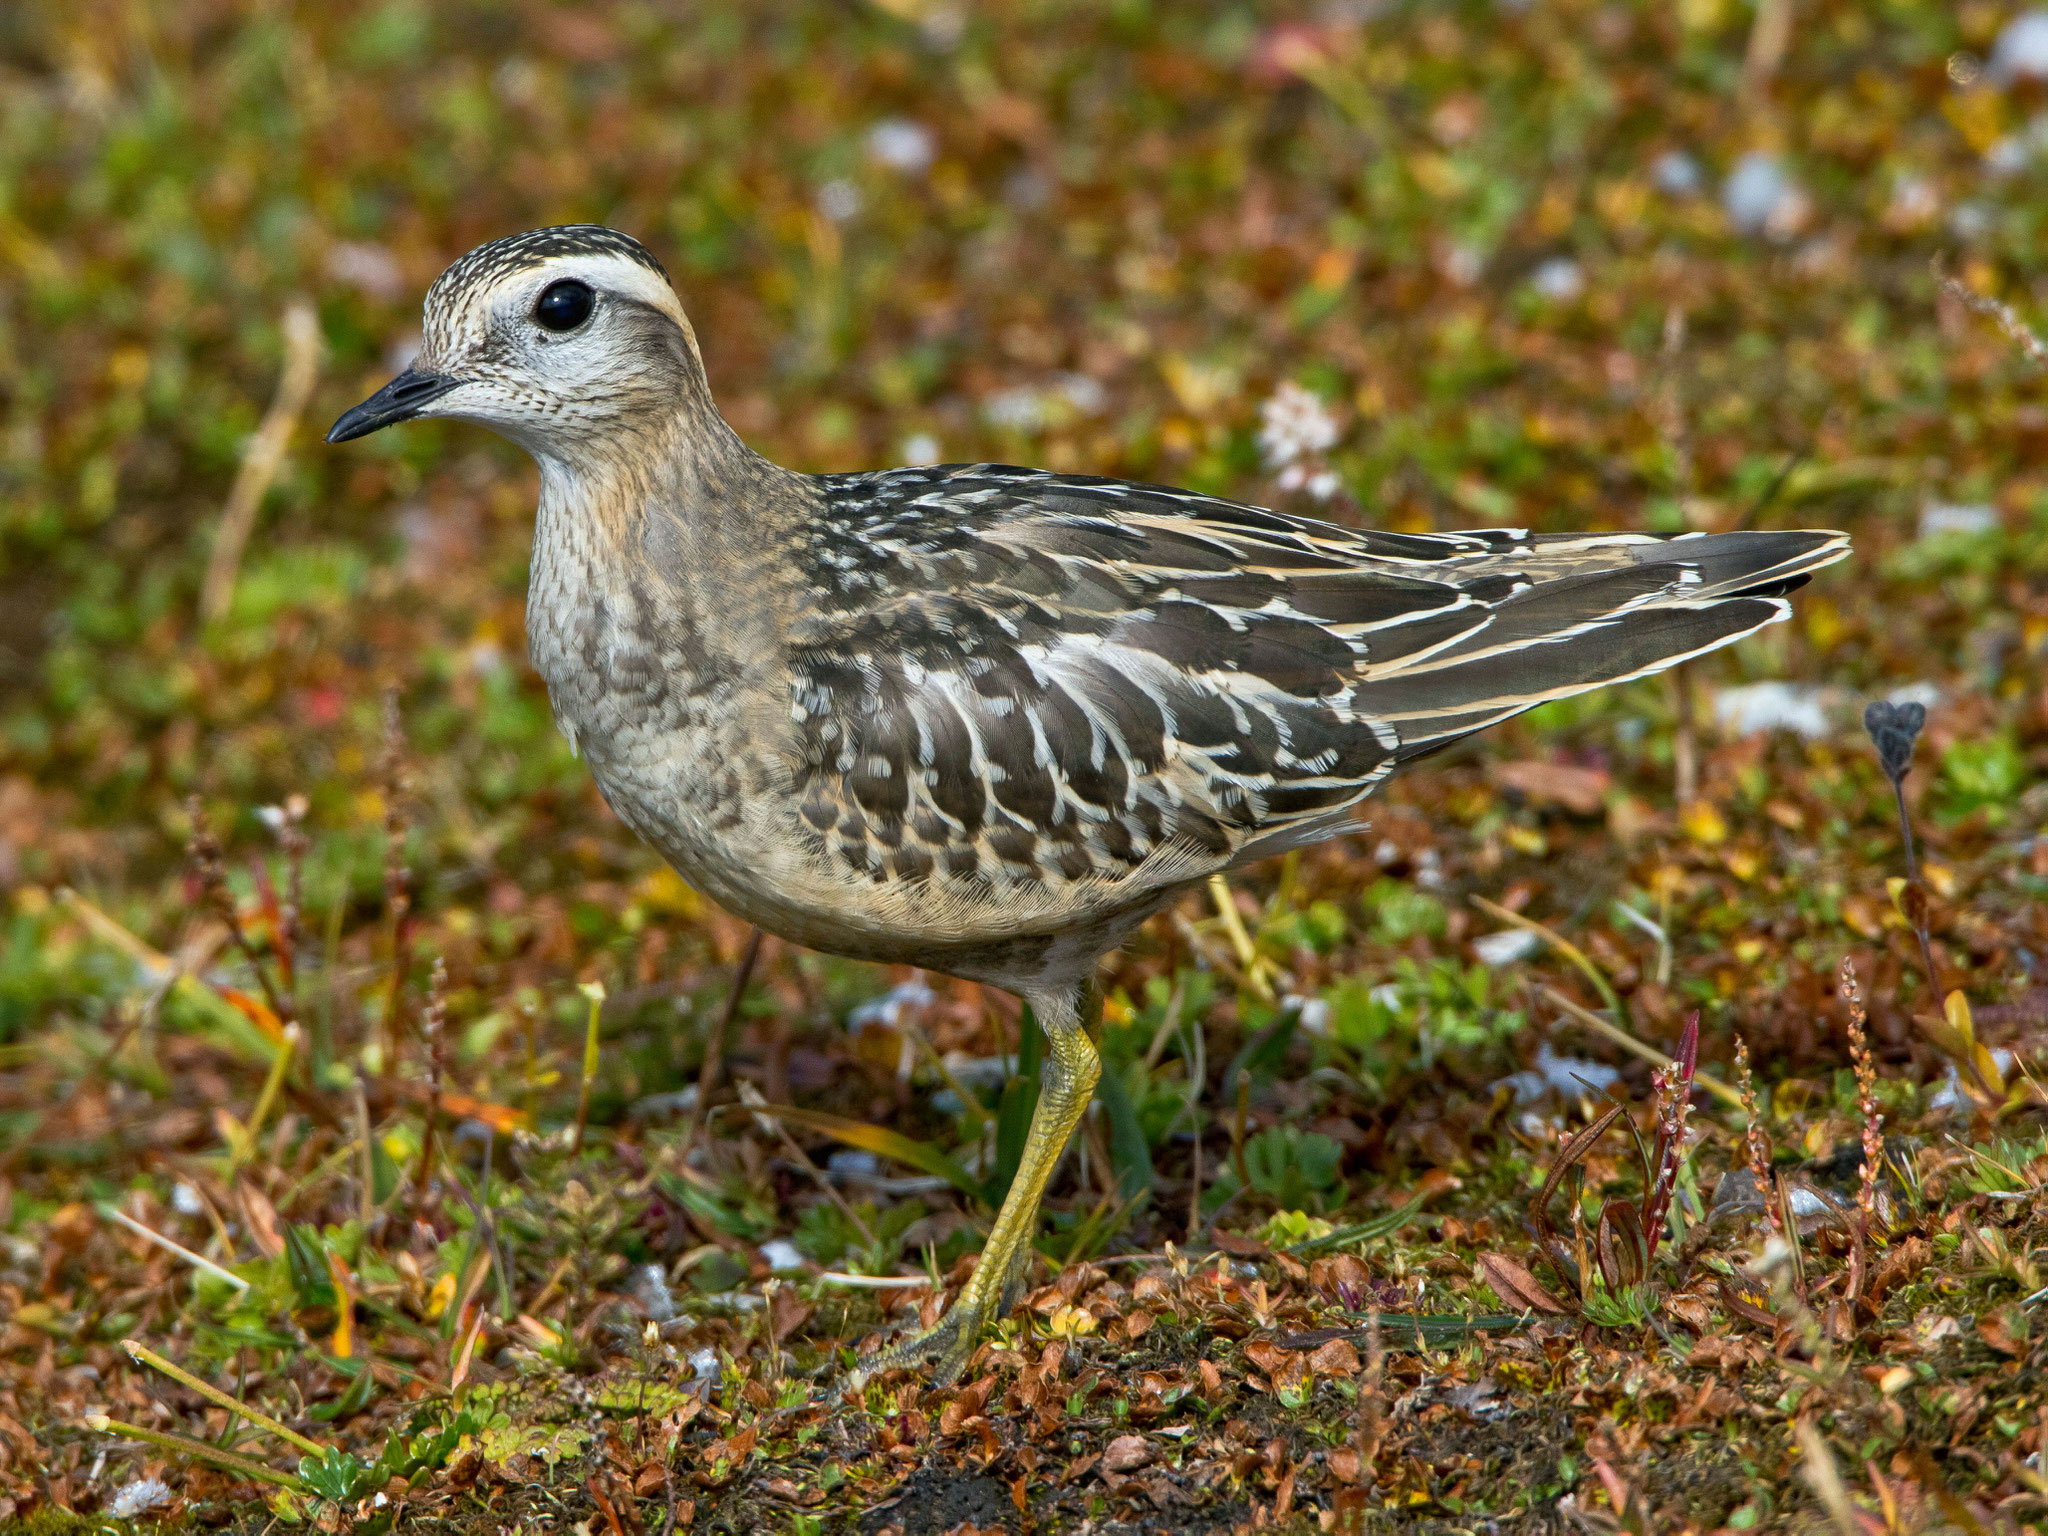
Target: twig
[
  {"x": 1630, "y": 1043},
  {"x": 397, "y": 877},
  {"x": 198, "y": 1450},
  {"x": 220, "y": 1399},
  {"x": 763, "y": 1116},
  {"x": 197, "y": 1261},
  {"x": 714, "y": 1048},
  {"x": 1564, "y": 947},
  {"x": 367, "y": 1196},
  {"x": 204, "y": 852},
  {"x": 1822, "y": 1476},
  {"x": 1248, "y": 957},
  {"x": 264, "y": 457},
  {"x": 593, "y": 990},
  {"x": 2028, "y": 339},
  {"x": 1769, "y": 37},
  {"x": 287, "y": 1049}
]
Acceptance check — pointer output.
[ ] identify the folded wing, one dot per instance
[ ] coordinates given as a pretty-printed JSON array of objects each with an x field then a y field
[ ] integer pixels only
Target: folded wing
[{"x": 1007, "y": 677}]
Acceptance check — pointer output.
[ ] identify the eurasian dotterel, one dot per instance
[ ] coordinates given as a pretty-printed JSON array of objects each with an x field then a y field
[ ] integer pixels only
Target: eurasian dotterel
[{"x": 983, "y": 719}]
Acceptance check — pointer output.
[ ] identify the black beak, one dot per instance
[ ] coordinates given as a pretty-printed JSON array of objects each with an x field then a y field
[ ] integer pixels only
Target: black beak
[{"x": 400, "y": 400}]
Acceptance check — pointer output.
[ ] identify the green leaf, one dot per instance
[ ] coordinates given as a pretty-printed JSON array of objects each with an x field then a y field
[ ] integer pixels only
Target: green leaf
[
  {"x": 882, "y": 1141},
  {"x": 1128, "y": 1153},
  {"x": 351, "y": 1402},
  {"x": 1013, "y": 1114},
  {"x": 383, "y": 1172},
  {"x": 307, "y": 1257},
  {"x": 336, "y": 1475}
]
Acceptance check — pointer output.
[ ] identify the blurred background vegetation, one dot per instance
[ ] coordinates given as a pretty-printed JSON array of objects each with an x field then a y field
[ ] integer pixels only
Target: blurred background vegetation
[{"x": 1558, "y": 263}]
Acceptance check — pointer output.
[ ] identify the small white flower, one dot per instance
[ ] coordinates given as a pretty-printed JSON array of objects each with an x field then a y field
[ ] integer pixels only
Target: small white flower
[
  {"x": 1324, "y": 485},
  {"x": 1773, "y": 706},
  {"x": 1939, "y": 517},
  {"x": 1969, "y": 220},
  {"x": 1313, "y": 1013},
  {"x": 650, "y": 1289},
  {"x": 943, "y": 27},
  {"x": 781, "y": 1255},
  {"x": 902, "y": 145},
  {"x": 2007, "y": 154},
  {"x": 1083, "y": 393},
  {"x": 839, "y": 200},
  {"x": 138, "y": 1497},
  {"x": 1677, "y": 174},
  {"x": 1568, "y": 1077},
  {"x": 1463, "y": 264},
  {"x": 2022, "y": 48},
  {"x": 186, "y": 1202},
  {"x": 1559, "y": 279},
  {"x": 370, "y": 268},
  {"x": 922, "y": 448},
  {"x": 1505, "y": 947},
  {"x": 1293, "y": 425},
  {"x": 1762, "y": 198},
  {"x": 888, "y": 1008},
  {"x": 1914, "y": 201},
  {"x": 1019, "y": 410}
]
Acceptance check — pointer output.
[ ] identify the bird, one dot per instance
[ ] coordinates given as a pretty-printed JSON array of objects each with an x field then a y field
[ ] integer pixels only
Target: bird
[{"x": 985, "y": 719}]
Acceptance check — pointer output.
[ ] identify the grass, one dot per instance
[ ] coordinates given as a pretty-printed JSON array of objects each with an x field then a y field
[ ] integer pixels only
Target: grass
[{"x": 388, "y": 1142}]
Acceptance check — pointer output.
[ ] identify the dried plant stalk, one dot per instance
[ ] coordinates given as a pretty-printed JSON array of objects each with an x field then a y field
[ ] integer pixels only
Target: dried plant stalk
[
  {"x": 2017, "y": 330},
  {"x": 1758, "y": 1143},
  {"x": 397, "y": 877},
  {"x": 265, "y": 457},
  {"x": 1866, "y": 1088},
  {"x": 434, "y": 1025}
]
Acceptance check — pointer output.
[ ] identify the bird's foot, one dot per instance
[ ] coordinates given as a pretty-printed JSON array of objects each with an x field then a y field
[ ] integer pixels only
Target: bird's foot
[{"x": 947, "y": 1346}]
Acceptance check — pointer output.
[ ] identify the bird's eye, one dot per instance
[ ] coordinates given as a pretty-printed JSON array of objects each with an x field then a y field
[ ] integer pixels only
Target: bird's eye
[{"x": 563, "y": 306}]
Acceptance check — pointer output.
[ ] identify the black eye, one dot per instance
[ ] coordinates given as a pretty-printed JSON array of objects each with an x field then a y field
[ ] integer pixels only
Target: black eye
[{"x": 565, "y": 305}]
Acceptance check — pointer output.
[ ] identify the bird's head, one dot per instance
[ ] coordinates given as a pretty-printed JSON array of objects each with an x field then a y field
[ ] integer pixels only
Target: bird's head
[{"x": 561, "y": 339}]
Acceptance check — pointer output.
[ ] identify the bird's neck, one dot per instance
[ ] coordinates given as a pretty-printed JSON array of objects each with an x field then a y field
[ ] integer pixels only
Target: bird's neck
[{"x": 680, "y": 539}]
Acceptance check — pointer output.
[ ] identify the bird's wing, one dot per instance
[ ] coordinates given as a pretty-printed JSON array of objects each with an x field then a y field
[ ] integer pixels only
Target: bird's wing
[{"x": 1005, "y": 674}]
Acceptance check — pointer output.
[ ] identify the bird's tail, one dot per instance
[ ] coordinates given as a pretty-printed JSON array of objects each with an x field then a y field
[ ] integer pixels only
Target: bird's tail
[{"x": 1658, "y": 604}]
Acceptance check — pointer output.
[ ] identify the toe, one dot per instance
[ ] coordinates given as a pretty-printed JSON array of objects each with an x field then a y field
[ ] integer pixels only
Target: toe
[{"x": 944, "y": 1349}]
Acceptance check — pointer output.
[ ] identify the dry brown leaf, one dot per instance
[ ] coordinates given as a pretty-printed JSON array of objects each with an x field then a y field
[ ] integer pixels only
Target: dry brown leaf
[
  {"x": 1126, "y": 1453},
  {"x": 1336, "y": 1358},
  {"x": 1514, "y": 1285},
  {"x": 1265, "y": 1354},
  {"x": 1579, "y": 790}
]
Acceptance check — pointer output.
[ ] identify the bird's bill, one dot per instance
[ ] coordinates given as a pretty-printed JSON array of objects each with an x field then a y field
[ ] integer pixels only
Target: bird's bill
[{"x": 400, "y": 400}]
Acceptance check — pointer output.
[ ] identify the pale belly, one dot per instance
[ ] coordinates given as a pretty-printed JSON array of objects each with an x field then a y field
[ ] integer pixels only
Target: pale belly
[{"x": 725, "y": 817}]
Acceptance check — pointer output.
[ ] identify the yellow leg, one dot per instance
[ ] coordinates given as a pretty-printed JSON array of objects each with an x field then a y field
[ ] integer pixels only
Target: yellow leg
[{"x": 1065, "y": 1084}]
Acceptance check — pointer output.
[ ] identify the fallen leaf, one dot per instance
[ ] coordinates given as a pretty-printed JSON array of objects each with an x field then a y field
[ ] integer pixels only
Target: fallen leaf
[
  {"x": 1238, "y": 1246},
  {"x": 1579, "y": 790},
  {"x": 1265, "y": 1354},
  {"x": 1514, "y": 1285},
  {"x": 1336, "y": 1358},
  {"x": 1126, "y": 1453}
]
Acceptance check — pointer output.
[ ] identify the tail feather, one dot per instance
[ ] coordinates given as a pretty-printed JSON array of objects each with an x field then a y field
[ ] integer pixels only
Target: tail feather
[{"x": 1673, "y": 599}]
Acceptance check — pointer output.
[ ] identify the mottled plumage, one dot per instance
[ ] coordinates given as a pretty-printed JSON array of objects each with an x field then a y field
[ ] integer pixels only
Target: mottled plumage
[{"x": 986, "y": 719}]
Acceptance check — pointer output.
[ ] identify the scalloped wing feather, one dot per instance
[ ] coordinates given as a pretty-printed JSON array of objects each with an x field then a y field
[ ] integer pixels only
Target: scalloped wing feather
[{"x": 1007, "y": 678}]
